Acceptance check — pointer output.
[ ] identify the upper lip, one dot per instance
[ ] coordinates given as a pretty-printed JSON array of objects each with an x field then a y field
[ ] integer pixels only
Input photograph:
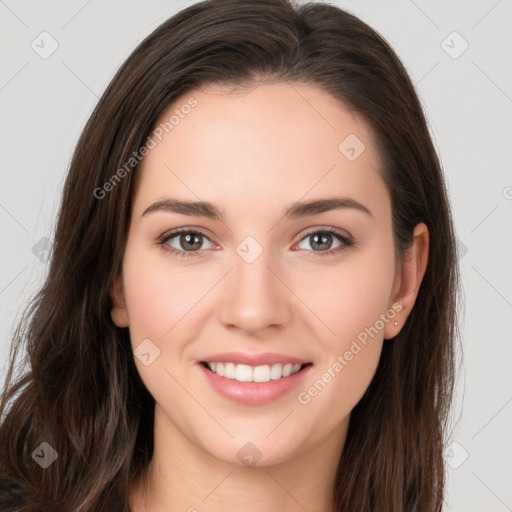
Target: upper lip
[{"x": 252, "y": 359}]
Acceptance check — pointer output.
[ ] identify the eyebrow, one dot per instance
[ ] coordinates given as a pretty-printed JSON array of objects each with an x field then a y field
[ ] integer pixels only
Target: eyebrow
[{"x": 294, "y": 211}]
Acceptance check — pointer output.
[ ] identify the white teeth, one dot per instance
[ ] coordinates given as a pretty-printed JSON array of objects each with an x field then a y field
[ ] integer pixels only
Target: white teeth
[
  {"x": 246, "y": 373},
  {"x": 229, "y": 370},
  {"x": 276, "y": 372},
  {"x": 243, "y": 373},
  {"x": 261, "y": 373}
]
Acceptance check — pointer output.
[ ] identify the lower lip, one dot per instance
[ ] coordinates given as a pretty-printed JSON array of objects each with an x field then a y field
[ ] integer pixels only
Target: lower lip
[{"x": 253, "y": 393}]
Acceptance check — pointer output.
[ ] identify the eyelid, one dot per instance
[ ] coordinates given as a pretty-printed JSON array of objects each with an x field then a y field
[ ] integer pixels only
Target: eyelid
[{"x": 327, "y": 229}]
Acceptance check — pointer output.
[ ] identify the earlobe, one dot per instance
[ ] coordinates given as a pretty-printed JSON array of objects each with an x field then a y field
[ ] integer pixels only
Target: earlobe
[
  {"x": 119, "y": 312},
  {"x": 410, "y": 278}
]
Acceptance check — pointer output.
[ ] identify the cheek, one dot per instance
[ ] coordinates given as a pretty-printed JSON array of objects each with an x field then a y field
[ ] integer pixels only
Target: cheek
[
  {"x": 351, "y": 299},
  {"x": 159, "y": 294},
  {"x": 349, "y": 357},
  {"x": 157, "y": 301},
  {"x": 163, "y": 302},
  {"x": 353, "y": 303}
]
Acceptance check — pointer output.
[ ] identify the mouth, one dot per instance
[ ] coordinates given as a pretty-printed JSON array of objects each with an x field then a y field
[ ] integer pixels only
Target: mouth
[
  {"x": 248, "y": 373},
  {"x": 253, "y": 384}
]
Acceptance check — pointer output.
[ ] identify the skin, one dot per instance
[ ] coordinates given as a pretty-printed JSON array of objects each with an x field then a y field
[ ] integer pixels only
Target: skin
[{"x": 253, "y": 153}]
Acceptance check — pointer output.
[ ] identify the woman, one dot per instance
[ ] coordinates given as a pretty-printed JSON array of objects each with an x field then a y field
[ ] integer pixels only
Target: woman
[{"x": 251, "y": 301}]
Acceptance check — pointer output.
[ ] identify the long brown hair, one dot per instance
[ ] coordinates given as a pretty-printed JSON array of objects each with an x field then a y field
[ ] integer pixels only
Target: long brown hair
[{"x": 82, "y": 394}]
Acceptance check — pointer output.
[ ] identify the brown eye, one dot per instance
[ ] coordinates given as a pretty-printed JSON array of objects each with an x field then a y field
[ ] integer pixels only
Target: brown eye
[
  {"x": 191, "y": 241},
  {"x": 185, "y": 242},
  {"x": 321, "y": 241}
]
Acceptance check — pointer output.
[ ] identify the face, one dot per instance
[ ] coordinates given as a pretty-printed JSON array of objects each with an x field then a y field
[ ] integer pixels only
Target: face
[{"x": 261, "y": 288}]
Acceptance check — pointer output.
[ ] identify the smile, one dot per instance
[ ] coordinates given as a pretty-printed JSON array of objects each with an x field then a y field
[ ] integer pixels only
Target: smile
[
  {"x": 247, "y": 373},
  {"x": 253, "y": 379}
]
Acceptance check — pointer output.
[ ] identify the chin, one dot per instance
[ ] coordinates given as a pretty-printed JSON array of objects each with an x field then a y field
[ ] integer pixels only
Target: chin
[{"x": 253, "y": 451}]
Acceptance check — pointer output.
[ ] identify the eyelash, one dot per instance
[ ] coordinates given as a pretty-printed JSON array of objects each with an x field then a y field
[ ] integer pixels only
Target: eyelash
[{"x": 345, "y": 241}]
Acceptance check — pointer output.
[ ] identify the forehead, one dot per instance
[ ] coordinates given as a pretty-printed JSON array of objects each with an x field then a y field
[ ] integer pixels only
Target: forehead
[{"x": 284, "y": 140}]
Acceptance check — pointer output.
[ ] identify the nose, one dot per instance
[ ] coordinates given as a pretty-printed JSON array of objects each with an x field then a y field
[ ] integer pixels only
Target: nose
[{"x": 254, "y": 296}]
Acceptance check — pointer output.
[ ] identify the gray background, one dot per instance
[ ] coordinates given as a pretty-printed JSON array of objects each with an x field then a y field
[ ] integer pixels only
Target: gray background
[{"x": 467, "y": 96}]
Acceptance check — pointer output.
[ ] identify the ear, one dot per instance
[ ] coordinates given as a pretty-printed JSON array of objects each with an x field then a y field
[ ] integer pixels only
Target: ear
[
  {"x": 408, "y": 280},
  {"x": 119, "y": 313}
]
